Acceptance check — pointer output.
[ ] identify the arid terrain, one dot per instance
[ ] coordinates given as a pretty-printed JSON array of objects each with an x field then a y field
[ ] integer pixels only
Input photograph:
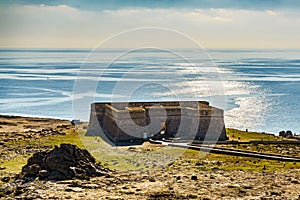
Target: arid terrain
[{"x": 148, "y": 171}]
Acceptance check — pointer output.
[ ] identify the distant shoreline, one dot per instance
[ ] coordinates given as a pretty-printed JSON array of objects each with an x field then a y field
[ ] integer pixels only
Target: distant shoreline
[
  {"x": 32, "y": 116},
  {"x": 15, "y": 115}
]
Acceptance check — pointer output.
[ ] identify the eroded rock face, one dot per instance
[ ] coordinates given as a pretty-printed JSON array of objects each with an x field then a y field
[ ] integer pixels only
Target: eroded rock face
[{"x": 64, "y": 162}]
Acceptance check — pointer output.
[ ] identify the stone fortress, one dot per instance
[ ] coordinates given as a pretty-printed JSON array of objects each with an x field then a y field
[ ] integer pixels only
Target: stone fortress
[{"x": 138, "y": 121}]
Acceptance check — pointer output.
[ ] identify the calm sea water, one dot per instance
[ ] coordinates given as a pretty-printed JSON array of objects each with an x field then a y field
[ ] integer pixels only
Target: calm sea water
[{"x": 258, "y": 89}]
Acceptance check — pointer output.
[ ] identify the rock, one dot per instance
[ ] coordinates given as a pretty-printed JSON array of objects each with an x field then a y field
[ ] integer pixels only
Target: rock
[
  {"x": 62, "y": 163},
  {"x": 31, "y": 170},
  {"x": 199, "y": 163},
  {"x": 234, "y": 186},
  {"x": 74, "y": 189},
  {"x": 242, "y": 191},
  {"x": 9, "y": 188},
  {"x": 5, "y": 179},
  {"x": 20, "y": 189},
  {"x": 248, "y": 187},
  {"x": 295, "y": 181},
  {"x": 192, "y": 196},
  {"x": 43, "y": 174},
  {"x": 91, "y": 186},
  {"x": 194, "y": 177},
  {"x": 128, "y": 192},
  {"x": 151, "y": 179},
  {"x": 275, "y": 193}
]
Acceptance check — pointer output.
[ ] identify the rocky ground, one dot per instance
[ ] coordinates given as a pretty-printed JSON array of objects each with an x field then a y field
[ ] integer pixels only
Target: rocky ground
[
  {"x": 171, "y": 183},
  {"x": 189, "y": 177}
]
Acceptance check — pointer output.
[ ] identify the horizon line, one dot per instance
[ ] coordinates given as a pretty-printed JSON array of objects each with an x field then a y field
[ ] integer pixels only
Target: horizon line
[{"x": 116, "y": 48}]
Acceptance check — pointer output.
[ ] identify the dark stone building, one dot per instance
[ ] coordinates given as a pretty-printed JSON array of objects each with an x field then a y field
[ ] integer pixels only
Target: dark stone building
[{"x": 141, "y": 120}]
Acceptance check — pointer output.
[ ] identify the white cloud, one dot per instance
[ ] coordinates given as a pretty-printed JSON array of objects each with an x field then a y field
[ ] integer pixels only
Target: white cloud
[
  {"x": 64, "y": 26},
  {"x": 209, "y": 15},
  {"x": 271, "y": 12},
  {"x": 51, "y": 8}
]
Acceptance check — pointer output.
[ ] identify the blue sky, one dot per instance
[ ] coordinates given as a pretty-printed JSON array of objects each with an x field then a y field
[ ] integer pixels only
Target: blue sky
[
  {"x": 178, "y": 4},
  {"x": 213, "y": 23}
]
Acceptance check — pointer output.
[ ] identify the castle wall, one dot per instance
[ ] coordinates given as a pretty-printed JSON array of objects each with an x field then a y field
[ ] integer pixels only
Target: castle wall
[
  {"x": 96, "y": 120},
  {"x": 186, "y": 119}
]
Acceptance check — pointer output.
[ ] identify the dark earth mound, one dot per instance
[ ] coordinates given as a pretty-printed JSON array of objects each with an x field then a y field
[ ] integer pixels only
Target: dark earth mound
[{"x": 65, "y": 162}]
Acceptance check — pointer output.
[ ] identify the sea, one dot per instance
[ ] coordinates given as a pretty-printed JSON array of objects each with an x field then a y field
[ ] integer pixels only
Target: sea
[{"x": 258, "y": 89}]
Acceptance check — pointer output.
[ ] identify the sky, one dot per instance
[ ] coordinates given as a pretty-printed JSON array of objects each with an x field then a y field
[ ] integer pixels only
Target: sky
[{"x": 212, "y": 23}]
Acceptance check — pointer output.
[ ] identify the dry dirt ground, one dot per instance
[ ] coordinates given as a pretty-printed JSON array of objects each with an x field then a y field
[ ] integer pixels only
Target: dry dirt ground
[{"x": 206, "y": 178}]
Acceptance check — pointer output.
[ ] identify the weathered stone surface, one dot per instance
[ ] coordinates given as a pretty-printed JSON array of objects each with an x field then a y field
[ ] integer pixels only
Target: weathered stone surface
[{"x": 64, "y": 162}]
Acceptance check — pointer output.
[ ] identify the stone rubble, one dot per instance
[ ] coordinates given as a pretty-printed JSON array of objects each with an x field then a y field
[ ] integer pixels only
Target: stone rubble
[{"x": 62, "y": 163}]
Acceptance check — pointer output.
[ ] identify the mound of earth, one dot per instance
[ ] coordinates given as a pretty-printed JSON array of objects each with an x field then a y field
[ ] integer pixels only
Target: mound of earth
[{"x": 65, "y": 162}]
